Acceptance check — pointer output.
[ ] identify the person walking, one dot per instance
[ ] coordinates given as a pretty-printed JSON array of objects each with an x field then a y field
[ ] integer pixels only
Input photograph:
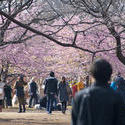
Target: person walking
[
  {"x": 2, "y": 84},
  {"x": 63, "y": 94},
  {"x": 20, "y": 93},
  {"x": 50, "y": 91},
  {"x": 33, "y": 88},
  {"x": 99, "y": 104}
]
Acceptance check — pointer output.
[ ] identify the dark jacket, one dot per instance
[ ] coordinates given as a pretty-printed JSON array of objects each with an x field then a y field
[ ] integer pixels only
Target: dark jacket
[
  {"x": 98, "y": 105},
  {"x": 62, "y": 92},
  {"x": 33, "y": 88},
  {"x": 121, "y": 87},
  {"x": 20, "y": 88},
  {"x": 7, "y": 91},
  {"x": 50, "y": 85}
]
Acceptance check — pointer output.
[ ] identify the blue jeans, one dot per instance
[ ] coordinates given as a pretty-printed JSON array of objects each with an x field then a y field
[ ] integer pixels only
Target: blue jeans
[{"x": 50, "y": 100}]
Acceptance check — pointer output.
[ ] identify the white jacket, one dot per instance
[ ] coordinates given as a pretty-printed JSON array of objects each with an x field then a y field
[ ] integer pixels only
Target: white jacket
[{"x": 2, "y": 90}]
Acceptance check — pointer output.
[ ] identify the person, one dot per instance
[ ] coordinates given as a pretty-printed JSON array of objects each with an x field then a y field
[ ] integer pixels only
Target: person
[
  {"x": 121, "y": 87},
  {"x": 8, "y": 95},
  {"x": 19, "y": 86},
  {"x": 80, "y": 84},
  {"x": 63, "y": 93},
  {"x": 50, "y": 91},
  {"x": 33, "y": 88},
  {"x": 74, "y": 89},
  {"x": 87, "y": 81},
  {"x": 1, "y": 94},
  {"x": 99, "y": 104}
]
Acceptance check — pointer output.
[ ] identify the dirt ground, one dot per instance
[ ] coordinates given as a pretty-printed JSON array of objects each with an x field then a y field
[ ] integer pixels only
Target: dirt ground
[{"x": 33, "y": 117}]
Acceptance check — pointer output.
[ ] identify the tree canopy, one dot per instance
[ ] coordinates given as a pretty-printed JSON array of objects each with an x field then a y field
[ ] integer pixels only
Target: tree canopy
[{"x": 93, "y": 26}]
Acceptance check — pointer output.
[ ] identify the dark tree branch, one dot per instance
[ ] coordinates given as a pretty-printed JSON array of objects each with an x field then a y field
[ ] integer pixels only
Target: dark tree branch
[{"x": 42, "y": 34}]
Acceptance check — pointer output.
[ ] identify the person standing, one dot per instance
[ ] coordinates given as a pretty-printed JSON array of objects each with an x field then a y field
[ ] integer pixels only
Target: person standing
[
  {"x": 121, "y": 87},
  {"x": 80, "y": 84},
  {"x": 8, "y": 95},
  {"x": 63, "y": 94},
  {"x": 33, "y": 88},
  {"x": 50, "y": 91},
  {"x": 1, "y": 94},
  {"x": 20, "y": 93},
  {"x": 99, "y": 104},
  {"x": 74, "y": 89}
]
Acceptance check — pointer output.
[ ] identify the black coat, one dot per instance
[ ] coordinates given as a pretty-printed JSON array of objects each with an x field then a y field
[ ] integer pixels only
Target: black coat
[
  {"x": 33, "y": 88},
  {"x": 50, "y": 85},
  {"x": 7, "y": 91},
  {"x": 98, "y": 105},
  {"x": 62, "y": 91},
  {"x": 20, "y": 88}
]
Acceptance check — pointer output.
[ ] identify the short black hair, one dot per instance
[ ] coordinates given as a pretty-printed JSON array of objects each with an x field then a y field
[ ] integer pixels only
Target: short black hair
[
  {"x": 101, "y": 70},
  {"x": 52, "y": 74}
]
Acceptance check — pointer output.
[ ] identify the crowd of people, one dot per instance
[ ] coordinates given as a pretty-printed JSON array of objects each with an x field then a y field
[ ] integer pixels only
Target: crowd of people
[
  {"x": 57, "y": 93},
  {"x": 100, "y": 103}
]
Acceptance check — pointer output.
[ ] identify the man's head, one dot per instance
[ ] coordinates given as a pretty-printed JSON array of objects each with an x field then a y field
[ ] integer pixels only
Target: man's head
[
  {"x": 101, "y": 70},
  {"x": 52, "y": 74}
]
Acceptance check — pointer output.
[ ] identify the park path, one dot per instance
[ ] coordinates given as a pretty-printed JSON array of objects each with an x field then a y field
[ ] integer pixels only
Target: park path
[{"x": 34, "y": 118}]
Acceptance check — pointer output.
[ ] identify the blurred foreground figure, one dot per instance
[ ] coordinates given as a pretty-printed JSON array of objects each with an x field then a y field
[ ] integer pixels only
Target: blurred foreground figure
[{"x": 99, "y": 104}]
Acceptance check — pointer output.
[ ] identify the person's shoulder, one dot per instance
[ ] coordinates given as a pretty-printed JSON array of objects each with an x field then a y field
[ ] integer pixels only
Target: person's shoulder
[
  {"x": 50, "y": 78},
  {"x": 33, "y": 82},
  {"x": 55, "y": 79},
  {"x": 82, "y": 94},
  {"x": 85, "y": 91},
  {"x": 45, "y": 80}
]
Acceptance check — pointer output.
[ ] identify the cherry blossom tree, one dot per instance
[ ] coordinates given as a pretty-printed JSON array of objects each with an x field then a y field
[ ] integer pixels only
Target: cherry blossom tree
[{"x": 96, "y": 27}]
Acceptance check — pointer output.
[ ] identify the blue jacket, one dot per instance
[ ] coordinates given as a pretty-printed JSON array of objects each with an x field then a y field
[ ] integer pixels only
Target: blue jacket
[{"x": 114, "y": 85}]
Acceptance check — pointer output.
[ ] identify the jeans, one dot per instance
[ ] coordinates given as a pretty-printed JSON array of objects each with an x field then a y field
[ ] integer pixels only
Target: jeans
[
  {"x": 8, "y": 101},
  {"x": 35, "y": 97},
  {"x": 50, "y": 100},
  {"x": 64, "y": 106}
]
